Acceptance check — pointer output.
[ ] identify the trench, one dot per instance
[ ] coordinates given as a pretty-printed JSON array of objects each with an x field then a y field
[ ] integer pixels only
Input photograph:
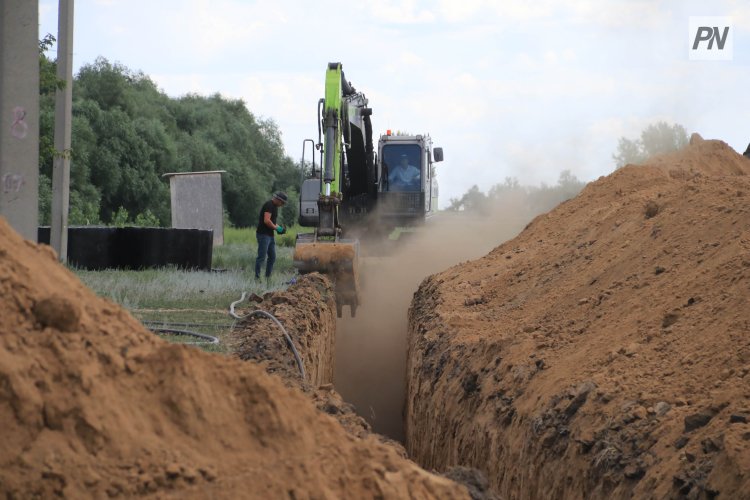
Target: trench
[
  {"x": 370, "y": 366},
  {"x": 369, "y": 357},
  {"x": 371, "y": 349}
]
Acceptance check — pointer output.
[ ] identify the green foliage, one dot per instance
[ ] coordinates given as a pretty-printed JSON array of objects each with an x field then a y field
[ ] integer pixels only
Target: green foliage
[
  {"x": 146, "y": 219},
  {"x": 246, "y": 236},
  {"x": 289, "y": 239},
  {"x": 127, "y": 134},
  {"x": 120, "y": 218},
  {"x": 84, "y": 207},
  {"x": 239, "y": 235},
  {"x": 48, "y": 81},
  {"x": 289, "y": 213},
  {"x": 45, "y": 200},
  {"x": 657, "y": 138},
  {"x": 472, "y": 200}
]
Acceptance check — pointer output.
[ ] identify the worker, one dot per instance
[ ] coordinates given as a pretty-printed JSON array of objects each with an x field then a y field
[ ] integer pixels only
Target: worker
[
  {"x": 266, "y": 231},
  {"x": 404, "y": 177}
]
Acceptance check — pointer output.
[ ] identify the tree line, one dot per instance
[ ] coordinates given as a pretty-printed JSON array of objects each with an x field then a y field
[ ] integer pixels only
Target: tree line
[
  {"x": 126, "y": 133},
  {"x": 657, "y": 138},
  {"x": 533, "y": 199}
]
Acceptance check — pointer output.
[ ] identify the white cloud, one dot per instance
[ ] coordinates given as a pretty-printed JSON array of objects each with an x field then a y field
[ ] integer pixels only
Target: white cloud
[
  {"x": 520, "y": 10},
  {"x": 740, "y": 14},
  {"x": 508, "y": 88},
  {"x": 191, "y": 31},
  {"x": 453, "y": 11},
  {"x": 400, "y": 11},
  {"x": 630, "y": 15},
  {"x": 177, "y": 85}
]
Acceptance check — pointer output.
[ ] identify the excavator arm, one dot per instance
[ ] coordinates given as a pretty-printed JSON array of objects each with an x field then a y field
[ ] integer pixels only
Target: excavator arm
[{"x": 326, "y": 251}]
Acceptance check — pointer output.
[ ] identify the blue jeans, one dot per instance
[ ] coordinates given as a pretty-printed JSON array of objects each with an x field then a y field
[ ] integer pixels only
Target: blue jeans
[{"x": 266, "y": 246}]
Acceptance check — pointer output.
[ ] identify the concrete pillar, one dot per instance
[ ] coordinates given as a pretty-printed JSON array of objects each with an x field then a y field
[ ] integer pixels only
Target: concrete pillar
[
  {"x": 196, "y": 202},
  {"x": 63, "y": 117},
  {"x": 19, "y": 115}
]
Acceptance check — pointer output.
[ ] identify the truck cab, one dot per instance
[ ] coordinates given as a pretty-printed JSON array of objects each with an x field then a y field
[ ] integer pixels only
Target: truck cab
[{"x": 407, "y": 187}]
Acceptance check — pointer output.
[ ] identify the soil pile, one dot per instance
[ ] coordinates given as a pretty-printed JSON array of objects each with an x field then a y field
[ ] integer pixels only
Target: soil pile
[
  {"x": 605, "y": 351},
  {"x": 307, "y": 311},
  {"x": 93, "y": 405}
]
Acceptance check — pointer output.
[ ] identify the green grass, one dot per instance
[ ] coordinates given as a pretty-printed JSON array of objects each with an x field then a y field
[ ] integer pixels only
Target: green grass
[
  {"x": 239, "y": 235},
  {"x": 246, "y": 236},
  {"x": 241, "y": 256},
  {"x": 168, "y": 296},
  {"x": 169, "y": 288}
]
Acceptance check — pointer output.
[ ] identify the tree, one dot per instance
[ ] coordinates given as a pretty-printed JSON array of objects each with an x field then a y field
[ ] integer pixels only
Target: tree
[
  {"x": 473, "y": 200},
  {"x": 127, "y": 133},
  {"x": 657, "y": 138},
  {"x": 510, "y": 193},
  {"x": 290, "y": 211}
]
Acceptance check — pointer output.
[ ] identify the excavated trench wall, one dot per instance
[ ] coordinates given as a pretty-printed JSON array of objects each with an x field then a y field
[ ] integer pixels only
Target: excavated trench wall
[
  {"x": 94, "y": 406},
  {"x": 605, "y": 351},
  {"x": 307, "y": 310}
]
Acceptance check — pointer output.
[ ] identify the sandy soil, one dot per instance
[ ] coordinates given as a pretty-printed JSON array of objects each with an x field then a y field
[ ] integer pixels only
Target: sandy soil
[
  {"x": 93, "y": 405},
  {"x": 307, "y": 311},
  {"x": 605, "y": 351}
]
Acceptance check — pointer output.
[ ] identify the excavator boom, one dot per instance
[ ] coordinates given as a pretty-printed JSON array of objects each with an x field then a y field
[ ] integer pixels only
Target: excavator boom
[
  {"x": 353, "y": 194},
  {"x": 325, "y": 251}
]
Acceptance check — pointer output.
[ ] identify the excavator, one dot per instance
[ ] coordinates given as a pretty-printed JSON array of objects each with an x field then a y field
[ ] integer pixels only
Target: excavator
[{"x": 357, "y": 195}]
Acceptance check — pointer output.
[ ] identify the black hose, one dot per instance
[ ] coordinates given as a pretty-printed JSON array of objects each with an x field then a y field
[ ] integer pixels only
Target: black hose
[
  {"x": 289, "y": 342},
  {"x": 207, "y": 339},
  {"x": 189, "y": 325}
]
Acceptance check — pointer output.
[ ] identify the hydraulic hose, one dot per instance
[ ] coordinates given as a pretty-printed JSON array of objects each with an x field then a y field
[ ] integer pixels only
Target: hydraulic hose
[{"x": 260, "y": 312}]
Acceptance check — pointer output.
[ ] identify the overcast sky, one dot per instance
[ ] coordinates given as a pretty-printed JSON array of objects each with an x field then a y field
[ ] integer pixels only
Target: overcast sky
[{"x": 508, "y": 88}]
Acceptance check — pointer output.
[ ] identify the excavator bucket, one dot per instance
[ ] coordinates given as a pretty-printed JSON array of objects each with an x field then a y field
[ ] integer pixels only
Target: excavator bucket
[{"x": 335, "y": 259}]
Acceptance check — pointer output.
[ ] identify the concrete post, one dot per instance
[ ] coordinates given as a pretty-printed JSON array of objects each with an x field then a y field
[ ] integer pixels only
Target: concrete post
[
  {"x": 63, "y": 118},
  {"x": 19, "y": 115}
]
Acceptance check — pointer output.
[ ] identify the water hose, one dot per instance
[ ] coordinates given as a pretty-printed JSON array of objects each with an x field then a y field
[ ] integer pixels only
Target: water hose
[
  {"x": 260, "y": 312},
  {"x": 206, "y": 339}
]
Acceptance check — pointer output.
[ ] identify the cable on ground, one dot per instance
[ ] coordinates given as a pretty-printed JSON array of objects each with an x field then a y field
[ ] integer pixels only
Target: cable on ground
[{"x": 260, "y": 312}]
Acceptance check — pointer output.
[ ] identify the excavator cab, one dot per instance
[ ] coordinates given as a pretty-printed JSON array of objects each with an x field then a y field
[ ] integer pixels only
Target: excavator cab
[{"x": 407, "y": 187}]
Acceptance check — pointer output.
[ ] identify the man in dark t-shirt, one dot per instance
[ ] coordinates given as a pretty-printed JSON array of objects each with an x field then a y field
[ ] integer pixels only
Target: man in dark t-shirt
[{"x": 265, "y": 232}]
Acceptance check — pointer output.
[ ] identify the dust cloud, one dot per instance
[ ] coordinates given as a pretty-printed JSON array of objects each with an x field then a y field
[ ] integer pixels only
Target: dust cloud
[{"x": 370, "y": 368}]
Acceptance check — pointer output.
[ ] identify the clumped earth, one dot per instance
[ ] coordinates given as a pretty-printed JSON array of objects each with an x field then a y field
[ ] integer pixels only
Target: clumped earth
[
  {"x": 93, "y": 405},
  {"x": 605, "y": 351},
  {"x": 307, "y": 311}
]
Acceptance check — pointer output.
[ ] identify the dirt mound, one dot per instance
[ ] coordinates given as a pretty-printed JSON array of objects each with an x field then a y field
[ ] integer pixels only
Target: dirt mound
[
  {"x": 605, "y": 351},
  {"x": 92, "y": 405},
  {"x": 306, "y": 310}
]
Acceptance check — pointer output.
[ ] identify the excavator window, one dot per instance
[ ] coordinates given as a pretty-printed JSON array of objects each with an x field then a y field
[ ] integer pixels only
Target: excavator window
[{"x": 404, "y": 163}]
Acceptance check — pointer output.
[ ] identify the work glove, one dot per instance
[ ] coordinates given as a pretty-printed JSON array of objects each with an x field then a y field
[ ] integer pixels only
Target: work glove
[{"x": 280, "y": 229}]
